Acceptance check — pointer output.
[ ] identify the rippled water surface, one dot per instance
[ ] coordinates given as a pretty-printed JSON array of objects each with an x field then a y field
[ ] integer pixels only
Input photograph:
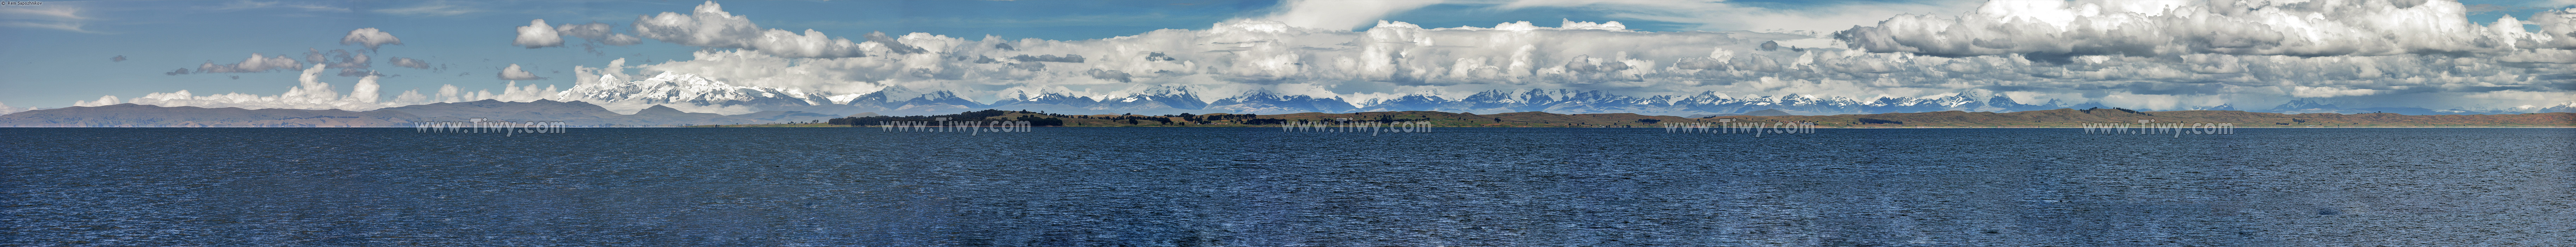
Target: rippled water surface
[{"x": 1263, "y": 187}]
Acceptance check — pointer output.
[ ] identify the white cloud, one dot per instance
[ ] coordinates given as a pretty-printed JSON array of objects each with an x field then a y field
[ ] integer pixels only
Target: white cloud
[
  {"x": 2558, "y": 27},
  {"x": 365, "y": 91},
  {"x": 254, "y": 64},
  {"x": 369, "y": 37},
  {"x": 710, "y": 26},
  {"x": 310, "y": 92},
  {"x": 513, "y": 73},
  {"x": 103, "y": 100},
  {"x": 537, "y": 35},
  {"x": 1337, "y": 15}
]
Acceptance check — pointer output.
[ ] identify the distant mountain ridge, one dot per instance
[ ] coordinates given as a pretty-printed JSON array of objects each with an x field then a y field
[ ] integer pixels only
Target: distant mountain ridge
[
  {"x": 684, "y": 93},
  {"x": 583, "y": 114},
  {"x": 687, "y": 90}
]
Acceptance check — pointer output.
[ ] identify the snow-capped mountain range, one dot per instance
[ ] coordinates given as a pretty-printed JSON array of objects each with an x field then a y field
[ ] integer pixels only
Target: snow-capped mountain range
[{"x": 701, "y": 94}]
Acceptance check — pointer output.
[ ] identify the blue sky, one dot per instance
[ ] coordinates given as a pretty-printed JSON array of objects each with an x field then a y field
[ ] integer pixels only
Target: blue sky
[{"x": 60, "y": 51}]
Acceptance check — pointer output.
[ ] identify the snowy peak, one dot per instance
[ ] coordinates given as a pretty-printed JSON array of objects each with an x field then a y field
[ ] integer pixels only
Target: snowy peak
[{"x": 681, "y": 88}]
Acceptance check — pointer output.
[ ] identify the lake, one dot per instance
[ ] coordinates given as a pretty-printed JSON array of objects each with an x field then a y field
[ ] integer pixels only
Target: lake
[{"x": 1266, "y": 187}]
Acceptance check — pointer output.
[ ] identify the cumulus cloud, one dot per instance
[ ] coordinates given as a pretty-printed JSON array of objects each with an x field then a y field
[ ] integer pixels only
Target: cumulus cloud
[
  {"x": 102, "y": 101},
  {"x": 710, "y": 26},
  {"x": 513, "y": 73},
  {"x": 369, "y": 37},
  {"x": 181, "y": 71},
  {"x": 538, "y": 35},
  {"x": 255, "y": 64},
  {"x": 597, "y": 32},
  {"x": 310, "y": 92},
  {"x": 408, "y": 63}
]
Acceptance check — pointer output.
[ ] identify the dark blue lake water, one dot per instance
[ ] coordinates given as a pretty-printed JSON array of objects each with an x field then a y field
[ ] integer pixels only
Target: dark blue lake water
[{"x": 1264, "y": 187}]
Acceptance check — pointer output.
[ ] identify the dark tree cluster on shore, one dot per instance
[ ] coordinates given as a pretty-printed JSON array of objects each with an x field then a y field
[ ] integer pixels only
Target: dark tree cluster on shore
[
  {"x": 1133, "y": 119},
  {"x": 1210, "y": 118}
]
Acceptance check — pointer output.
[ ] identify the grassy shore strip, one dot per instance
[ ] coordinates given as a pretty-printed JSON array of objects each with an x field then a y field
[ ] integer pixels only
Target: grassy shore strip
[{"x": 2059, "y": 118}]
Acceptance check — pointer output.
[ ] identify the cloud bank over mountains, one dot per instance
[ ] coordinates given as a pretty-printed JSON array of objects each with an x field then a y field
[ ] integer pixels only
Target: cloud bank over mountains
[
  {"x": 2006, "y": 55},
  {"x": 311, "y": 92}
]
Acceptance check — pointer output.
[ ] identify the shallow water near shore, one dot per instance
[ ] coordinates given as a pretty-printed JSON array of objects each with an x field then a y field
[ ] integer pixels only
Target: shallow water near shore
[{"x": 1265, "y": 187}]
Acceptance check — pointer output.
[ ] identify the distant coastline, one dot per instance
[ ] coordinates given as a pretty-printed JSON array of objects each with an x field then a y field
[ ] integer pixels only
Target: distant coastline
[
  {"x": 583, "y": 115},
  {"x": 2058, "y": 118}
]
